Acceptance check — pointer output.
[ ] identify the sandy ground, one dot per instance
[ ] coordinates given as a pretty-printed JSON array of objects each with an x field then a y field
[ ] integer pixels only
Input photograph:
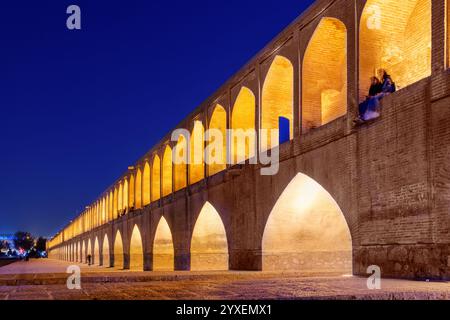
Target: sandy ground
[{"x": 46, "y": 279}]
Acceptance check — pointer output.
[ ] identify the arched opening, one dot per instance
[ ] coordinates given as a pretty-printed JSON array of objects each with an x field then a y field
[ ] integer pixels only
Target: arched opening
[
  {"x": 96, "y": 255},
  {"x": 216, "y": 151},
  {"x": 77, "y": 252},
  {"x": 180, "y": 163},
  {"x": 307, "y": 231},
  {"x": 118, "y": 251},
  {"x": 136, "y": 251},
  {"x": 111, "y": 206},
  {"x": 89, "y": 250},
  {"x": 138, "y": 188},
  {"x": 163, "y": 252},
  {"x": 146, "y": 184},
  {"x": 167, "y": 172},
  {"x": 209, "y": 247},
  {"x": 156, "y": 178},
  {"x": 103, "y": 210},
  {"x": 83, "y": 252},
  {"x": 196, "y": 163},
  {"x": 243, "y": 138},
  {"x": 131, "y": 191},
  {"x": 120, "y": 198},
  {"x": 105, "y": 252},
  {"x": 324, "y": 80},
  {"x": 115, "y": 205},
  {"x": 125, "y": 194},
  {"x": 395, "y": 35},
  {"x": 277, "y": 100}
]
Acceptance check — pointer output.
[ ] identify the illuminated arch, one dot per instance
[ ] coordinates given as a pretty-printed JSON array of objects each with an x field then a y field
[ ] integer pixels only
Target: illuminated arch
[
  {"x": 209, "y": 247},
  {"x": 306, "y": 231},
  {"x": 79, "y": 252},
  {"x": 324, "y": 80},
  {"x": 395, "y": 35},
  {"x": 163, "y": 252},
  {"x": 196, "y": 160},
  {"x": 156, "y": 178},
  {"x": 125, "y": 194},
  {"x": 167, "y": 172},
  {"x": 243, "y": 118},
  {"x": 103, "y": 210},
  {"x": 138, "y": 189},
  {"x": 180, "y": 163},
  {"x": 118, "y": 251},
  {"x": 89, "y": 250},
  {"x": 277, "y": 99},
  {"x": 146, "y": 184},
  {"x": 136, "y": 250},
  {"x": 115, "y": 204},
  {"x": 131, "y": 191},
  {"x": 120, "y": 197},
  {"x": 83, "y": 253},
  {"x": 96, "y": 255},
  {"x": 111, "y": 205},
  {"x": 217, "y": 141},
  {"x": 105, "y": 252}
]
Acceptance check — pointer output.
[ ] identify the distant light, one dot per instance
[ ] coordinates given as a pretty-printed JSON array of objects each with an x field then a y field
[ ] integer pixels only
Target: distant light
[{"x": 131, "y": 168}]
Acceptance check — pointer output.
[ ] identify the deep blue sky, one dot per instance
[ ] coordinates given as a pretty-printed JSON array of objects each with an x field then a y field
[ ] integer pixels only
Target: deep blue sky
[{"x": 78, "y": 107}]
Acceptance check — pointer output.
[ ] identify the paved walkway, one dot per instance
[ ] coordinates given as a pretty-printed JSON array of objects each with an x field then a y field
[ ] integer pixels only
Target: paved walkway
[{"x": 120, "y": 285}]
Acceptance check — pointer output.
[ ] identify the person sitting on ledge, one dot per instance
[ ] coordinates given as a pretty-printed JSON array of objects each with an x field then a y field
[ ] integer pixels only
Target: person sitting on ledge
[
  {"x": 368, "y": 109},
  {"x": 375, "y": 88}
]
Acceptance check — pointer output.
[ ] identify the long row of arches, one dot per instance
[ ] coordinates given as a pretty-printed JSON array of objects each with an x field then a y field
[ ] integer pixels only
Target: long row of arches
[
  {"x": 306, "y": 230},
  {"x": 393, "y": 35}
]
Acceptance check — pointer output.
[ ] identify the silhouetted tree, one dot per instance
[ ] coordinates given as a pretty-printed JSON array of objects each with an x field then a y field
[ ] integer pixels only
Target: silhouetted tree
[
  {"x": 23, "y": 240},
  {"x": 41, "y": 244}
]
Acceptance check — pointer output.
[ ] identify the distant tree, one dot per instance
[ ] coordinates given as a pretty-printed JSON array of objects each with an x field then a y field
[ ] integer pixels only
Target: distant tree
[
  {"x": 23, "y": 240},
  {"x": 41, "y": 244}
]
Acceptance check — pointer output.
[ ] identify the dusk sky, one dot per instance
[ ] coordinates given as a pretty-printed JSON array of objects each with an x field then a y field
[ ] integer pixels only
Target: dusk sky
[{"x": 79, "y": 107}]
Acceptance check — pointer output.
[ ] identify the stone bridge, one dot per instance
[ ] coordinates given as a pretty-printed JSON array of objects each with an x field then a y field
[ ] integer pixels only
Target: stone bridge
[{"x": 345, "y": 197}]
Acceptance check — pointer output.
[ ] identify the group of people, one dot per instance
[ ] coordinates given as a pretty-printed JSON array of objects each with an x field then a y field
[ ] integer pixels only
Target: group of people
[{"x": 369, "y": 108}]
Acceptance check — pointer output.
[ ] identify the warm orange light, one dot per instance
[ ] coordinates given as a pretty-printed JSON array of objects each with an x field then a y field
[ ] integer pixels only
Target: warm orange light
[
  {"x": 136, "y": 251},
  {"x": 118, "y": 251},
  {"x": 105, "y": 252},
  {"x": 138, "y": 188},
  {"x": 146, "y": 184},
  {"x": 196, "y": 164},
  {"x": 278, "y": 98},
  {"x": 209, "y": 247},
  {"x": 163, "y": 252},
  {"x": 96, "y": 255},
  {"x": 216, "y": 151},
  {"x": 180, "y": 163},
  {"x": 156, "y": 178},
  {"x": 243, "y": 125},
  {"x": 324, "y": 80},
  {"x": 395, "y": 35},
  {"x": 306, "y": 231},
  {"x": 167, "y": 172}
]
